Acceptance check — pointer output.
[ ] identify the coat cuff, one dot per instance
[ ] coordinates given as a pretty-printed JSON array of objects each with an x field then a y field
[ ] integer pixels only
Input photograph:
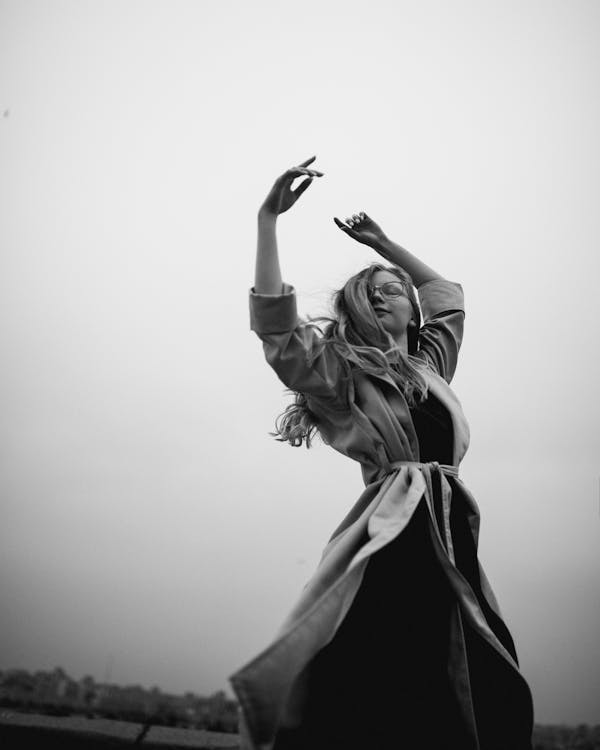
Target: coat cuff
[
  {"x": 439, "y": 296},
  {"x": 273, "y": 313}
]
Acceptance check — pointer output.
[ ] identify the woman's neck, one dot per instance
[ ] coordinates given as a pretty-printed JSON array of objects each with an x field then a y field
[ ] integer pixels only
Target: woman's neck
[{"x": 401, "y": 341}]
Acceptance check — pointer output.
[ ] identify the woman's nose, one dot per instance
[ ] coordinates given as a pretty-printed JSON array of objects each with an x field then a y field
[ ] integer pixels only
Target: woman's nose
[{"x": 376, "y": 294}]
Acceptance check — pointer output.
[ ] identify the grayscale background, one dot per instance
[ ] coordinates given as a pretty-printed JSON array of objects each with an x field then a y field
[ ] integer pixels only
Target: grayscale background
[{"x": 150, "y": 528}]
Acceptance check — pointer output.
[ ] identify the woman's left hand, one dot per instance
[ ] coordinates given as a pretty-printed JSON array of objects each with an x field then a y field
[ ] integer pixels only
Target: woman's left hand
[{"x": 362, "y": 229}]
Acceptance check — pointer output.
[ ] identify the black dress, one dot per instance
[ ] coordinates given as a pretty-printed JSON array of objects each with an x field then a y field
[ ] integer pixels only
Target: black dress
[{"x": 364, "y": 694}]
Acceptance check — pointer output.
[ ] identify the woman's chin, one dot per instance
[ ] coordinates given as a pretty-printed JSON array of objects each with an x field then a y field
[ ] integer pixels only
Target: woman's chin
[{"x": 393, "y": 330}]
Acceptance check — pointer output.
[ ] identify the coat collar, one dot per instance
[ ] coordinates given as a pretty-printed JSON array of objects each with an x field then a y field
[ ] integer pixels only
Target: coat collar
[{"x": 442, "y": 391}]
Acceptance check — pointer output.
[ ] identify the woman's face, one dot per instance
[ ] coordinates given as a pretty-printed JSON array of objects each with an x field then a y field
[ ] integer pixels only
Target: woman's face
[{"x": 394, "y": 313}]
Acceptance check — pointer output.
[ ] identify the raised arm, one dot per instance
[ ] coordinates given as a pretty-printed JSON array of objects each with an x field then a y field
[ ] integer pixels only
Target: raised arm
[
  {"x": 363, "y": 229},
  {"x": 291, "y": 347},
  {"x": 267, "y": 279}
]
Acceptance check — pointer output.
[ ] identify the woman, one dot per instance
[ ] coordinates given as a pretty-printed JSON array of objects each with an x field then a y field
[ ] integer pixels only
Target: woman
[{"x": 397, "y": 641}]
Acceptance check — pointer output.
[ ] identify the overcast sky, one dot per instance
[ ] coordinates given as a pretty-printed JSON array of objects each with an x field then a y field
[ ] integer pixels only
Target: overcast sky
[{"x": 152, "y": 532}]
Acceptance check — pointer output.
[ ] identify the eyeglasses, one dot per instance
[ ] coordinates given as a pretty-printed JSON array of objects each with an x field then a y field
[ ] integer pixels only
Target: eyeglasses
[{"x": 390, "y": 289}]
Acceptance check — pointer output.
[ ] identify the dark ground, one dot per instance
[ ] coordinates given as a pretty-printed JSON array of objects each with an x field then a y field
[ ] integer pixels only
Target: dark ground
[{"x": 22, "y": 731}]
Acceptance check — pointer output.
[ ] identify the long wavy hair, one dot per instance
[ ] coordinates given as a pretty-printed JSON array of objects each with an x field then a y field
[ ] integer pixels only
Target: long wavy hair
[{"x": 359, "y": 340}]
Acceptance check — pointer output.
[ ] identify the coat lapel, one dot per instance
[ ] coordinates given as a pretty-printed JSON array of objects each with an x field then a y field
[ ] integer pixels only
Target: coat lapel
[{"x": 442, "y": 391}]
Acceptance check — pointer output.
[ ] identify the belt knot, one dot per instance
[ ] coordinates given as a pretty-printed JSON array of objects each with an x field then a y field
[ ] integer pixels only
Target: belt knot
[{"x": 446, "y": 469}]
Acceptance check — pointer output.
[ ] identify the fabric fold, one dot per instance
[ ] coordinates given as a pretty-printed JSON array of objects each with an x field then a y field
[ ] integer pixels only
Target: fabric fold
[{"x": 270, "y": 687}]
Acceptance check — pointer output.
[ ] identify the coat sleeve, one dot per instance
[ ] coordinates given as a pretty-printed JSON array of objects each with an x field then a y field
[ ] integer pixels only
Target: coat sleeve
[
  {"x": 290, "y": 346},
  {"x": 440, "y": 337}
]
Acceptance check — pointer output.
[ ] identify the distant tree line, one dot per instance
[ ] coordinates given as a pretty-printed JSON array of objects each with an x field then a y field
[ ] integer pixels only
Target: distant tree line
[
  {"x": 561, "y": 737},
  {"x": 56, "y": 693}
]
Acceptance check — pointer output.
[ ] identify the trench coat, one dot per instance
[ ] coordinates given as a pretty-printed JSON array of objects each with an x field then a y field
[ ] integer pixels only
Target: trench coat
[{"x": 367, "y": 418}]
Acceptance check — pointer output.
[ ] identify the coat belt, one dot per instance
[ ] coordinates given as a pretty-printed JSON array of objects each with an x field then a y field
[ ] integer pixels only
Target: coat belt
[
  {"x": 431, "y": 467},
  {"x": 447, "y": 469}
]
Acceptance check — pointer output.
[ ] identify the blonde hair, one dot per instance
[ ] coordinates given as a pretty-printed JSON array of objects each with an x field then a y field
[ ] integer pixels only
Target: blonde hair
[{"x": 360, "y": 342}]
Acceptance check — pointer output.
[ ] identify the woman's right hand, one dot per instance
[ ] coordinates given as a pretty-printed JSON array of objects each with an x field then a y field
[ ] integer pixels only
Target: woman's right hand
[{"x": 281, "y": 196}]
